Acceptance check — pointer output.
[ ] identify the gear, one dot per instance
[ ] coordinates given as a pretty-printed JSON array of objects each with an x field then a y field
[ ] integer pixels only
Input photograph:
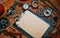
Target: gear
[{"x": 4, "y": 22}]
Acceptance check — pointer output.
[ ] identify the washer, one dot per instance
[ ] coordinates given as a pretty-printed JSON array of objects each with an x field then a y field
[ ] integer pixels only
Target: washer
[
  {"x": 33, "y": 4},
  {"x": 47, "y": 12},
  {"x": 25, "y": 6}
]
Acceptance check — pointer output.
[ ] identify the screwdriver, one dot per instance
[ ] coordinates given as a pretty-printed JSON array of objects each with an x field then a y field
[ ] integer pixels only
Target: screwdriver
[{"x": 11, "y": 8}]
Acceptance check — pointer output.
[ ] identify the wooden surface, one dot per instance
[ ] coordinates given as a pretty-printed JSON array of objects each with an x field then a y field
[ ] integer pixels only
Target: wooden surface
[
  {"x": 56, "y": 3},
  {"x": 10, "y": 31}
]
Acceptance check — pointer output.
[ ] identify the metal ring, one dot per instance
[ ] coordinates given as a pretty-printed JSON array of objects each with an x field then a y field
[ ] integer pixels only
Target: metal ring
[
  {"x": 25, "y": 6},
  {"x": 47, "y": 12},
  {"x": 35, "y": 6}
]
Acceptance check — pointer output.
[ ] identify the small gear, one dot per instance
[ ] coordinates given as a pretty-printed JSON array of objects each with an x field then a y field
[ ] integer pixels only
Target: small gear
[{"x": 4, "y": 22}]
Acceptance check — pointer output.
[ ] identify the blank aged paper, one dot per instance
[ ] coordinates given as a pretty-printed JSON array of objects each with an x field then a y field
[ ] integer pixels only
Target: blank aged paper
[{"x": 33, "y": 25}]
